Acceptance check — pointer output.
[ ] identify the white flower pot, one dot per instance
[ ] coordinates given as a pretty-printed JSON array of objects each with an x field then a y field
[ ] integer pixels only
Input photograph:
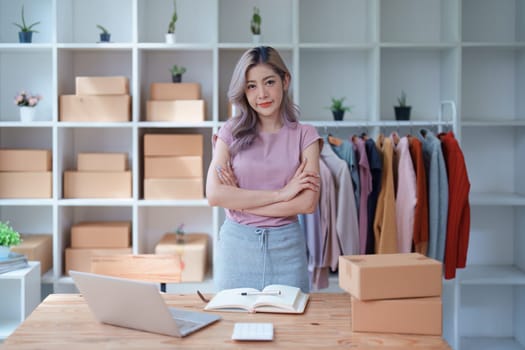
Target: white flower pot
[
  {"x": 256, "y": 38},
  {"x": 170, "y": 38},
  {"x": 27, "y": 114},
  {"x": 4, "y": 251}
]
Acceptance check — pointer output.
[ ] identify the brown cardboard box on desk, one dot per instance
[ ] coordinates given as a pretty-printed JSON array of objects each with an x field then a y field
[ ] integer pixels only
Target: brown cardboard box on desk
[
  {"x": 110, "y": 234},
  {"x": 193, "y": 253},
  {"x": 393, "y": 293},
  {"x": 38, "y": 247},
  {"x": 388, "y": 276}
]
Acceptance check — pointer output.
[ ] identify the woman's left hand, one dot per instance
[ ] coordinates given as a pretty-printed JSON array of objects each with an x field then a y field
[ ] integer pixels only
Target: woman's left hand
[{"x": 226, "y": 175}]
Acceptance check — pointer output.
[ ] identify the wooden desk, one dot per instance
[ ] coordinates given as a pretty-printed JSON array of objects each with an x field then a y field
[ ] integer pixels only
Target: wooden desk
[{"x": 63, "y": 321}]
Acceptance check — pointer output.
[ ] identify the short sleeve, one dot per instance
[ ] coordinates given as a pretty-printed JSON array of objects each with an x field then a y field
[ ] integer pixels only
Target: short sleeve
[
  {"x": 309, "y": 135},
  {"x": 225, "y": 133}
]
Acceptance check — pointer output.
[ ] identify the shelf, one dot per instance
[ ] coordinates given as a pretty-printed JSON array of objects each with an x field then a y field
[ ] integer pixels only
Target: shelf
[
  {"x": 173, "y": 203},
  {"x": 102, "y": 202},
  {"x": 490, "y": 123},
  {"x": 499, "y": 199},
  {"x": 490, "y": 343},
  {"x": 492, "y": 275}
]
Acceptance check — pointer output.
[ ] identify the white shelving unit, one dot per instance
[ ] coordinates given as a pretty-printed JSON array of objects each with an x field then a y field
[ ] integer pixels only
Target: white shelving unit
[
  {"x": 19, "y": 295},
  {"x": 366, "y": 50}
]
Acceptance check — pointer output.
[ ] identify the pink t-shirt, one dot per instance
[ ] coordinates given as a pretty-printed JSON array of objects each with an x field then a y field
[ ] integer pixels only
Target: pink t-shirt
[{"x": 268, "y": 164}]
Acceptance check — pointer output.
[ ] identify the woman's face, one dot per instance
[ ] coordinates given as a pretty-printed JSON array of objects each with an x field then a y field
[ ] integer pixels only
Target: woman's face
[{"x": 264, "y": 90}]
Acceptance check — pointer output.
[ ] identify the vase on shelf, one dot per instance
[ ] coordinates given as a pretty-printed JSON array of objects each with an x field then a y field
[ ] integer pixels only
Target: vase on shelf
[
  {"x": 27, "y": 114},
  {"x": 170, "y": 38},
  {"x": 256, "y": 39},
  {"x": 4, "y": 251},
  {"x": 25, "y": 37}
]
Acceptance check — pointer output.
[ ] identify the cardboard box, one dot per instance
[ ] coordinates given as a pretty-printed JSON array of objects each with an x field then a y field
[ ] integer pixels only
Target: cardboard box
[
  {"x": 102, "y": 161},
  {"x": 102, "y": 86},
  {"x": 193, "y": 253},
  {"x": 190, "y": 188},
  {"x": 172, "y": 167},
  {"x": 75, "y": 108},
  {"x": 93, "y": 184},
  {"x": 388, "y": 276},
  {"x": 25, "y": 160},
  {"x": 144, "y": 267},
  {"x": 175, "y": 111},
  {"x": 175, "y": 91},
  {"x": 25, "y": 184},
  {"x": 173, "y": 145},
  {"x": 37, "y": 247},
  {"x": 111, "y": 234},
  {"x": 80, "y": 259},
  {"x": 409, "y": 315}
]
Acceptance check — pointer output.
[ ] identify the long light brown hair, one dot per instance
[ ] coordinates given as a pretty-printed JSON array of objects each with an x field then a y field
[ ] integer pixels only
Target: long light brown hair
[{"x": 244, "y": 128}]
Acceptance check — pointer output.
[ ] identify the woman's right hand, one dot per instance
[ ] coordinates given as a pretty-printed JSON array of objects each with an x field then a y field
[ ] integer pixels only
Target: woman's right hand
[{"x": 302, "y": 180}]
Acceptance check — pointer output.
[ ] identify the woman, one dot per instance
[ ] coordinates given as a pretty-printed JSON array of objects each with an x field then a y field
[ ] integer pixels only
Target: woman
[{"x": 264, "y": 172}]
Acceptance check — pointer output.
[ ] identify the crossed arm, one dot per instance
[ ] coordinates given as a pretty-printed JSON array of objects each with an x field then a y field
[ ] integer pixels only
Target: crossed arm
[{"x": 299, "y": 195}]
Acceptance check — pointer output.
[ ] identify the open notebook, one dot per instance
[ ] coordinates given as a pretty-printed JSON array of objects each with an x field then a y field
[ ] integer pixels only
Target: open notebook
[{"x": 273, "y": 298}]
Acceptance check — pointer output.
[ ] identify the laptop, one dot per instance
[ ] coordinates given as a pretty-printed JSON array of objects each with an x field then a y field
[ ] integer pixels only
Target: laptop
[{"x": 137, "y": 305}]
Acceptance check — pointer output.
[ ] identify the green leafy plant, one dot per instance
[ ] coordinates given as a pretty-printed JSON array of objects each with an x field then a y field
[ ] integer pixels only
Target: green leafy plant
[
  {"x": 24, "y": 27},
  {"x": 8, "y": 235},
  {"x": 402, "y": 100},
  {"x": 337, "y": 105},
  {"x": 171, "y": 26},
  {"x": 179, "y": 232},
  {"x": 256, "y": 21},
  {"x": 103, "y": 29},
  {"x": 176, "y": 70}
]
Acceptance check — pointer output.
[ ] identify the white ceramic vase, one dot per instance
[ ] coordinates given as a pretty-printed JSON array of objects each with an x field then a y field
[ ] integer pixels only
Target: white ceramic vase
[
  {"x": 170, "y": 38},
  {"x": 256, "y": 39},
  {"x": 4, "y": 251},
  {"x": 27, "y": 114}
]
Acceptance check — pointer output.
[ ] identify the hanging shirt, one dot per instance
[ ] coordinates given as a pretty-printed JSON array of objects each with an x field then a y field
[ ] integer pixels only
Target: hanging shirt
[
  {"x": 346, "y": 213},
  {"x": 268, "y": 164},
  {"x": 405, "y": 194},
  {"x": 458, "y": 225},
  {"x": 385, "y": 229},
  {"x": 345, "y": 151},
  {"x": 365, "y": 179},
  {"x": 376, "y": 169},
  {"x": 437, "y": 193},
  {"x": 421, "y": 211}
]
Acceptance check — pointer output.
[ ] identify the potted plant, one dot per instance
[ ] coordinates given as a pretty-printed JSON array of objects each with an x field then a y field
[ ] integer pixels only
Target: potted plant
[
  {"x": 402, "y": 110},
  {"x": 8, "y": 237},
  {"x": 176, "y": 73},
  {"x": 170, "y": 35},
  {"x": 27, "y": 104},
  {"x": 338, "y": 109},
  {"x": 179, "y": 234},
  {"x": 105, "y": 36},
  {"x": 255, "y": 25},
  {"x": 25, "y": 35}
]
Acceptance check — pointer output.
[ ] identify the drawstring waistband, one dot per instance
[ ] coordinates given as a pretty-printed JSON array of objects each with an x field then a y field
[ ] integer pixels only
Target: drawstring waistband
[{"x": 263, "y": 240}]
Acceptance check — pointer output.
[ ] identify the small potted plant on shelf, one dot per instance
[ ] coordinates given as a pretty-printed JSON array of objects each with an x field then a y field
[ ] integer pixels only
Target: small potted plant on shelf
[
  {"x": 402, "y": 110},
  {"x": 8, "y": 237},
  {"x": 255, "y": 25},
  {"x": 170, "y": 35},
  {"x": 176, "y": 73},
  {"x": 25, "y": 35},
  {"x": 105, "y": 36},
  {"x": 338, "y": 109},
  {"x": 27, "y": 104},
  {"x": 179, "y": 234}
]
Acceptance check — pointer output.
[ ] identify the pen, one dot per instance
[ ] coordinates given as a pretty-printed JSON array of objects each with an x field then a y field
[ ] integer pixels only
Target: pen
[{"x": 267, "y": 292}]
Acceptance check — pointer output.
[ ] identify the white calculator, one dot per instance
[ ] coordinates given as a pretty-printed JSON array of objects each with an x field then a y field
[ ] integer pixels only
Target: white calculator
[{"x": 253, "y": 331}]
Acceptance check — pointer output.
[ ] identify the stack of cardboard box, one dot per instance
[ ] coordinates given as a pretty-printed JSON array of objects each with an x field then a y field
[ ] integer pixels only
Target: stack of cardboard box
[
  {"x": 177, "y": 102},
  {"x": 25, "y": 173},
  {"x": 99, "y": 175},
  {"x": 393, "y": 293},
  {"x": 89, "y": 239},
  {"x": 192, "y": 249},
  {"x": 173, "y": 166},
  {"x": 97, "y": 99}
]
